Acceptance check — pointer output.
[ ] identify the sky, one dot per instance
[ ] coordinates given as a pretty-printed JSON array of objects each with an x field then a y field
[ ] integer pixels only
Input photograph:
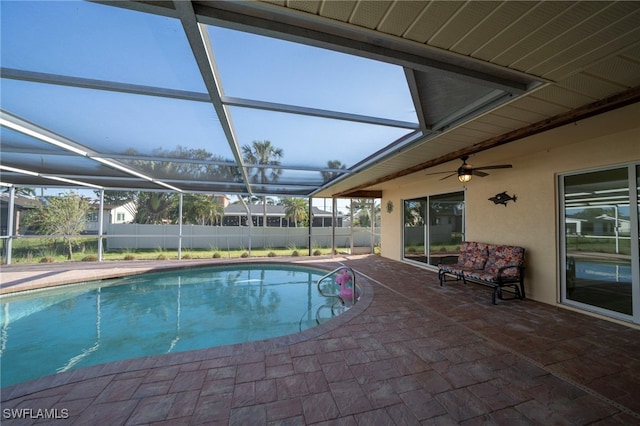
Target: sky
[{"x": 101, "y": 42}]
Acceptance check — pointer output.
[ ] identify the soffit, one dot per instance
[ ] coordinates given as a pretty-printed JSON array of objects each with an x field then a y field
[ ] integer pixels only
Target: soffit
[{"x": 587, "y": 52}]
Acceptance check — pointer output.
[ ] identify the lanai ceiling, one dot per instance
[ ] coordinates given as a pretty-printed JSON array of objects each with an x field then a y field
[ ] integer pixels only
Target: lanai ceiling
[{"x": 161, "y": 95}]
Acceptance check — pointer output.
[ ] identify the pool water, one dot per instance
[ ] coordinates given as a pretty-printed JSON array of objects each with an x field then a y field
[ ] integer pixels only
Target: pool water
[
  {"x": 67, "y": 327},
  {"x": 603, "y": 271}
]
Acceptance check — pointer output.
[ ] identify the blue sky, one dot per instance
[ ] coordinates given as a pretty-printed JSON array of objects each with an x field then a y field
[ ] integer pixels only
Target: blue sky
[{"x": 95, "y": 41}]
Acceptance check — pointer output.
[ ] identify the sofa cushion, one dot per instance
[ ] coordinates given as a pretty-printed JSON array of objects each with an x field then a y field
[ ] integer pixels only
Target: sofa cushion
[
  {"x": 501, "y": 256},
  {"x": 481, "y": 275},
  {"x": 473, "y": 255},
  {"x": 457, "y": 270}
]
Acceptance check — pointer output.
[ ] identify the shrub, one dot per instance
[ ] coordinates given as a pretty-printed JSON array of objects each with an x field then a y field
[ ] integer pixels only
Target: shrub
[
  {"x": 46, "y": 259},
  {"x": 295, "y": 253},
  {"x": 244, "y": 254},
  {"x": 186, "y": 256},
  {"x": 271, "y": 254},
  {"x": 216, "y": 255},
  {"x": 161, "y": 256},
  {"x": 129, "y": 257},
  {"x": 90, "y": 258},
  {"x": 317, "y": 252}
]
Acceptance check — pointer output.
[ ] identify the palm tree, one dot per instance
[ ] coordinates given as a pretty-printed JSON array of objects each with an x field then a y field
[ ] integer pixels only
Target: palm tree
[
  {"x": 364, "y": 210},
  {"x": 261, "y": 154},
  {"x": 296, "y": 209},
  {"x": 202, "y": 209},
  {"x": 154, "y": 207},
  {"x": 332, "y": 164},
  {"x": 329, "y": 175}
]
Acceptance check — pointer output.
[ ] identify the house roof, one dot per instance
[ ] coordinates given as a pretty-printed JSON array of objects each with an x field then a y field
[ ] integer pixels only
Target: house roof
[
  {"x": 20, "y": 201},
  {"x": 138, "y": 94}
]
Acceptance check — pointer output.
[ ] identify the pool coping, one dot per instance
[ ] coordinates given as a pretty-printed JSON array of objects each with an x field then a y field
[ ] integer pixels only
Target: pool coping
[{"x": 133, "y": 365}]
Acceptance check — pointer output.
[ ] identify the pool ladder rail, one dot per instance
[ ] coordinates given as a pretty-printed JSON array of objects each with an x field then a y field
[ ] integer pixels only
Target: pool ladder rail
[
  {"x": 323, "y": 286},
  {"x": 329, "y": 287}
]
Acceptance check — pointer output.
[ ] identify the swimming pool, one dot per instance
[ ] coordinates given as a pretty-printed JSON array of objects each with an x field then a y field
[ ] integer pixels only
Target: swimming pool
[{"x": 67, "y": 327}]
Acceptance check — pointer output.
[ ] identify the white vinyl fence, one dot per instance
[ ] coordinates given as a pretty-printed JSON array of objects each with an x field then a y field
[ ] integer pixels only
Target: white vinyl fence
[{"x": 137, "y": 236}]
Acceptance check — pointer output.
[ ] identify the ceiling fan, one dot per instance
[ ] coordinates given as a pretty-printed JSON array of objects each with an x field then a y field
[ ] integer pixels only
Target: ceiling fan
[{"x": 466, "y": 171}]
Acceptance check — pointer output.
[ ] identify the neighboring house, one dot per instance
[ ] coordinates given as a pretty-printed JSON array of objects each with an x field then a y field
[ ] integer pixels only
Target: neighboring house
[
  {"x": 603, "y": 225},
  {"x": 22, "y": 204},
  {"x": 112, "y": 214},
  {"x": 573, "y": 226},
  {"x": 236, "y": 215},
  {"x": 222, "y": 200},
  {"x": 606, "y": 225},
  {"x": 121, "y": 214}
]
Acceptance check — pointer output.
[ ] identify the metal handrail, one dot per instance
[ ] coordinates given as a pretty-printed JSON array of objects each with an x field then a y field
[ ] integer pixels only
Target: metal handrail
[{"x": 331, "y": 274}]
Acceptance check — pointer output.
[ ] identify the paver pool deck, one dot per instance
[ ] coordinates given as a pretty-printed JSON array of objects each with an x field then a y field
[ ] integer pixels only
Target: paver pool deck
[{"x": 409, "y": 353}]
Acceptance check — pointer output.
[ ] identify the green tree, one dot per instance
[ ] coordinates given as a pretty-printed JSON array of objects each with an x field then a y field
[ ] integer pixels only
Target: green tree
[
  {"x": 155, "y": 207},
  {"x": 296, "y": 209},
  {"x": 364, "y": 209},
  {"x": 64, "y": 215},
  {"x": 262, "y": 159},
  {"x": 328, "y": 175},
  {"x": 414, "y": 213},
  {"x": 201, "y": 209},
  {"x": 194, "y": 163}
]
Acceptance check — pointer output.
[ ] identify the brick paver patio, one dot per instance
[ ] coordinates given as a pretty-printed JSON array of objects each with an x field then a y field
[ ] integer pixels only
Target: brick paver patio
[{"x": 410, "y": 353}]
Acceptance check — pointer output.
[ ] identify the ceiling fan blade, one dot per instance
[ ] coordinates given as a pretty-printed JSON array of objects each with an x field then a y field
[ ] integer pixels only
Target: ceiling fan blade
[
  {"x": 475, "y": 172},
  {"x": 439, "y": 173},
  {"x": 501, "y": 166},
  {"x": 448, "y": 176}
]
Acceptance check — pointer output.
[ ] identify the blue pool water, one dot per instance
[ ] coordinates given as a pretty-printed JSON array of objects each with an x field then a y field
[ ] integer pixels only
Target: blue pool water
[
  {"x": 601, "y": 271},
  {"x": 62, "y": 328}
]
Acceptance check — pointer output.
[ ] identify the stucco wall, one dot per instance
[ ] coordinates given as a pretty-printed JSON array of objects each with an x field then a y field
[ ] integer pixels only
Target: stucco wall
[{"x": 532, "y": 221}]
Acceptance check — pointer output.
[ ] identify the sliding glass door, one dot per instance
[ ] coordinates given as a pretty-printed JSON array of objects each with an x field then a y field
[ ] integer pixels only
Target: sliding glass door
[
  {"x": 433, "y": 227},
  {"x": 600, "y": 241},
  {"x": 415, "y": 233}
]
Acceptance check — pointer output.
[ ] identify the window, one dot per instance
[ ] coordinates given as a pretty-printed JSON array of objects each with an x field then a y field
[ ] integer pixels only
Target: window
[
  {"x": 433, "y": 227},
  {"x": 600, "y": 241},
  {"x": 120, "y": 217},
  {"x": 92, "y": 217}
]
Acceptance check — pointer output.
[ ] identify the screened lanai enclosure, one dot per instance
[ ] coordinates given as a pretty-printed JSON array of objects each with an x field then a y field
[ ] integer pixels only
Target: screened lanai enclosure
[
  {"x": 275, "y": 101},
  {"x": 182, "y": 98}
]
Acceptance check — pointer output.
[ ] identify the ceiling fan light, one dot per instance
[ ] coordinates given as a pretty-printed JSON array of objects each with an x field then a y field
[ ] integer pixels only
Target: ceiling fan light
[{"x": 464, "y": 177}]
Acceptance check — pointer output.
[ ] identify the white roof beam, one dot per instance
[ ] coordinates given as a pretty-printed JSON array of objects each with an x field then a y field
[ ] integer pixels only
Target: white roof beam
[{"x": 203, "y": 53}]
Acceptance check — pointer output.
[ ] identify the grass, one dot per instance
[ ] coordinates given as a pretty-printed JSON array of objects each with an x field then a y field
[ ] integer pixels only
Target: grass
[{"x": 598, "y": 245}]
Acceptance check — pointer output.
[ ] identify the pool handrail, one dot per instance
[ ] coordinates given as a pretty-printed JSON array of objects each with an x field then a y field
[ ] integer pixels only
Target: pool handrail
[{"x": 334, "y": 272}]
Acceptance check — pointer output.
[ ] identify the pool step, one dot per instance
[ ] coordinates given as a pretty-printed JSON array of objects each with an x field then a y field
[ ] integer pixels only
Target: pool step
[{"x": 330, "y": 310}]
